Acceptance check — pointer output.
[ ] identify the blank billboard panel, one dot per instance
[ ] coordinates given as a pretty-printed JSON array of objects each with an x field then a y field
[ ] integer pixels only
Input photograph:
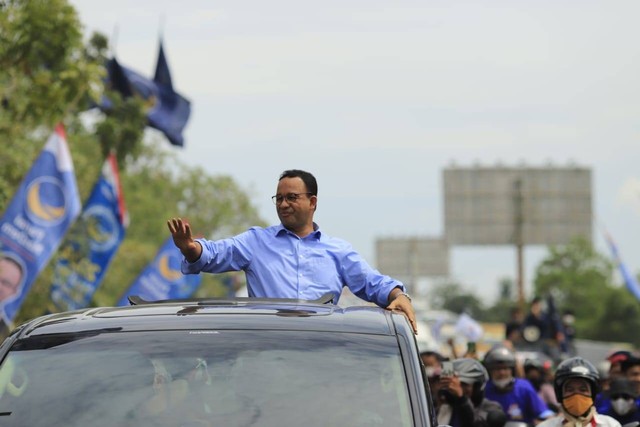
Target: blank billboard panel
[
  {"x": 410, "y": 258},
  {"x": 494, "y": 206}
]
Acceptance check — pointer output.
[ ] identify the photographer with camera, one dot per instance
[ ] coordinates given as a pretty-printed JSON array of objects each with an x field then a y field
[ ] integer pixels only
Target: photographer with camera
[{"x": 462, "y": 402}]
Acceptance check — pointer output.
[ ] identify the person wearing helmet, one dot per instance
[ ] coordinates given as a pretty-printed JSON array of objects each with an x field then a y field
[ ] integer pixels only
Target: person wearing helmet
[
  {"x": 630, "y": 369},
  {"x": 605, "y": 379},
  {"x": 624, "y": 407},
  {"x": 616, "y": 359},
  {"x": 465, "y": 393},
  {"x": 535, "y": 373},
  {"x": 576, "y": 385},
  {"x": 517, "y": 396},
  {"x": 615, "y": 362}
]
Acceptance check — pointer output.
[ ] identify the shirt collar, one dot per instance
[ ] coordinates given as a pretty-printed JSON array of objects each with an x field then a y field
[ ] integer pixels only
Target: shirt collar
[{"x": 280, "y": 229}]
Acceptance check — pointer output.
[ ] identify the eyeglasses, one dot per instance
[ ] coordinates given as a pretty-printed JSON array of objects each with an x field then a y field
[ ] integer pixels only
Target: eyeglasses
[{"x": 289, "y": 197}]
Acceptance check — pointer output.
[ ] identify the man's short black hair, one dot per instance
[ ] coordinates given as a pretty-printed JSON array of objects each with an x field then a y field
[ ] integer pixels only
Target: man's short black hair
[
  {"x": 308, "y": 179},
  {"x": 429, "y": 353},
  {"x": 632, "y": 360}
]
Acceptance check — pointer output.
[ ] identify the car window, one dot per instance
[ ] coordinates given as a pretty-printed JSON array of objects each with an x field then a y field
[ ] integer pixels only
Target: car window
[{"x": 205, "y": 378}]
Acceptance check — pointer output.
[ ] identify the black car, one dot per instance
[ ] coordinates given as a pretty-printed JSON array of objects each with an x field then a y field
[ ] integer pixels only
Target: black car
[{"x": 239, "y": 362}]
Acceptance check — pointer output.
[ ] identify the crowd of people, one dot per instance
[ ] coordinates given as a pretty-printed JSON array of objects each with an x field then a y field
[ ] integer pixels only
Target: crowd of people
[
  {"x": 543, "y": 329},
  {"x": 501, "y": 389}
]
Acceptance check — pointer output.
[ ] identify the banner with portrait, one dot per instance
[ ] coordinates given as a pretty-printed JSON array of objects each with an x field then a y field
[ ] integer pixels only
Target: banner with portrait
[{"x": 36, "y": 220}]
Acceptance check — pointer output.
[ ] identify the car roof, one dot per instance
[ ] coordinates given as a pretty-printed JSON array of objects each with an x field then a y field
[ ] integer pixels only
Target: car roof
[{"x": 216, "y": 313}]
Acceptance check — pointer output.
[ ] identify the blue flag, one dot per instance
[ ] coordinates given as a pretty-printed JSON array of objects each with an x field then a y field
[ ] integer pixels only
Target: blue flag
[
  {"x": 92, "y": 242},
  {"x": 32, "y": 227},
  {"x": 172, "y": 111},
  {"x": 629, "y": 280},
  {"x": 163, "y": 75},
  {"x": 162, "y": 279},
  {"x": 167, "y": 110}
]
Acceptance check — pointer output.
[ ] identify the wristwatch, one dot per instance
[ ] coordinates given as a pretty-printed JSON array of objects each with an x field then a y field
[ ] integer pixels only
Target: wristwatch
[{"x": 405, "y": 294}]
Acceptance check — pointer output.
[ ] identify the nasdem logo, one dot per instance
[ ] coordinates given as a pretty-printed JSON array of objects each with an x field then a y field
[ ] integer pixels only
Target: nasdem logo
[
  {"x": 165, "y": 267},
  {"x": 102, "y": 228},
  {"x": 46, "y": 201}
]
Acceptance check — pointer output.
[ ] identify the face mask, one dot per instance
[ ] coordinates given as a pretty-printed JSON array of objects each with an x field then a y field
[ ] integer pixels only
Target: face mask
[
  {"x": 503, "y": 383},
  {"x": 431, "y": 371},
  {"x": 577, "y": 404},
  {"x": 622, "y": 406}
]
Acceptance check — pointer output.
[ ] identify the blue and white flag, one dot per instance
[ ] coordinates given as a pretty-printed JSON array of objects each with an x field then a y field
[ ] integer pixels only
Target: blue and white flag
[
  {"x": 469, "y": 328},
  {"x": 92, "y": 242},
  {"x": 32, "y": 227},
  {"x": 629, "y": 280},
  {"x": 162, "y": 279}
]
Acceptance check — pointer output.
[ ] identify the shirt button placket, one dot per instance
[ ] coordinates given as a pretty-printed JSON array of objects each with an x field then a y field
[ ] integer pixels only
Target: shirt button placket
[{"x": 298, "y": 267}]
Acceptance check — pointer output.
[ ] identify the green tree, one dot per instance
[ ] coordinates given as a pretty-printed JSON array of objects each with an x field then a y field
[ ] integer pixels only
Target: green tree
[
  {"x": 500, "y": 310},
  {"x": 45, "y": 74},
  {"x": 579, "y": 278},
  {"x": 452, "y": 297},
  {"x": 621, "y": 319}
]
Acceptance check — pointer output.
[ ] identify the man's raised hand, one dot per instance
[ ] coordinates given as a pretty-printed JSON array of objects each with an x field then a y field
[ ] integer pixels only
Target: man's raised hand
[{"x": 182, "y": 238}]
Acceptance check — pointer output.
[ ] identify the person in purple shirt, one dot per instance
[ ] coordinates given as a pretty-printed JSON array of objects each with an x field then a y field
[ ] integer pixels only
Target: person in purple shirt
[
  {"x": 293, "y": 259},
  {"x": 624, "y": 406},
  {"x": 517, "y": 396}
]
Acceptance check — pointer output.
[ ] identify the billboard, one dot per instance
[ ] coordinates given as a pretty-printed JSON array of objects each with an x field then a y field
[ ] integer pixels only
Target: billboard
[
  {"x": 410, "y": 258},
  {"x": 517, "y": 206}
]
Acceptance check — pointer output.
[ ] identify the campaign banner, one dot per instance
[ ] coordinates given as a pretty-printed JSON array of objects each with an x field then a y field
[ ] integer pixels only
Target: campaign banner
[
  {"x": 36, "y": 220},
  {"x": 162, "y": 279},
  {"x": 92, "y": 242}
]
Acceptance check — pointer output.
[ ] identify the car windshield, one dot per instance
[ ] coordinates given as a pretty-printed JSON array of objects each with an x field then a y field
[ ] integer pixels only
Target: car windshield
[{"x": 204, "y": 378}]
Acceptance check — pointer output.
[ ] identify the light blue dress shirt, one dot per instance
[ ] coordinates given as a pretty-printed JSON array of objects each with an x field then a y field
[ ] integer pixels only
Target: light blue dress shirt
[{"x": 279, "y": 264}]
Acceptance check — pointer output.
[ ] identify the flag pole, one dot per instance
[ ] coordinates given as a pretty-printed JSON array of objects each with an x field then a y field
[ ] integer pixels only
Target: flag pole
[{"x": 114, "y": 39}]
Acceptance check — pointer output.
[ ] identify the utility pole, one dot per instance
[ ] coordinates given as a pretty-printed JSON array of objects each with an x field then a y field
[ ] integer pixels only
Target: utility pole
[{"x": 519, "y": 239}]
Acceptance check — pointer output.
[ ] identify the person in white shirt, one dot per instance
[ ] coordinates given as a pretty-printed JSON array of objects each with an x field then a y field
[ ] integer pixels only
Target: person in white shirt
[{"x": 576, "y": 385}]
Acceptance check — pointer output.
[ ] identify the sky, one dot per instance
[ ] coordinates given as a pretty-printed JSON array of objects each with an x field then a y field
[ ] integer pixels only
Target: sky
[{"x": 377, "y": 97}]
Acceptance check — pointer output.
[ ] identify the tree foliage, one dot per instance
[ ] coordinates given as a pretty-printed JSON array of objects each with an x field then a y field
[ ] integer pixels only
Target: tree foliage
[
  {"x": 452, "y": 297},
  {"x": 581, "y": 279},
  {"x": 45, "y": 74},
  {"x": 578, "y": 277}
]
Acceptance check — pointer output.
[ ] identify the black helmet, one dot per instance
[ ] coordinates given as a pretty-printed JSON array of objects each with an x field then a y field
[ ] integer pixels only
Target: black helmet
[
  {"x": 470, "y": 371},
  {"x": 621, "y": 386},
  {"x": 499, "y": 355},
  {"x": 575, "y": 367},
  {"x": 533, "y": 364}
]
